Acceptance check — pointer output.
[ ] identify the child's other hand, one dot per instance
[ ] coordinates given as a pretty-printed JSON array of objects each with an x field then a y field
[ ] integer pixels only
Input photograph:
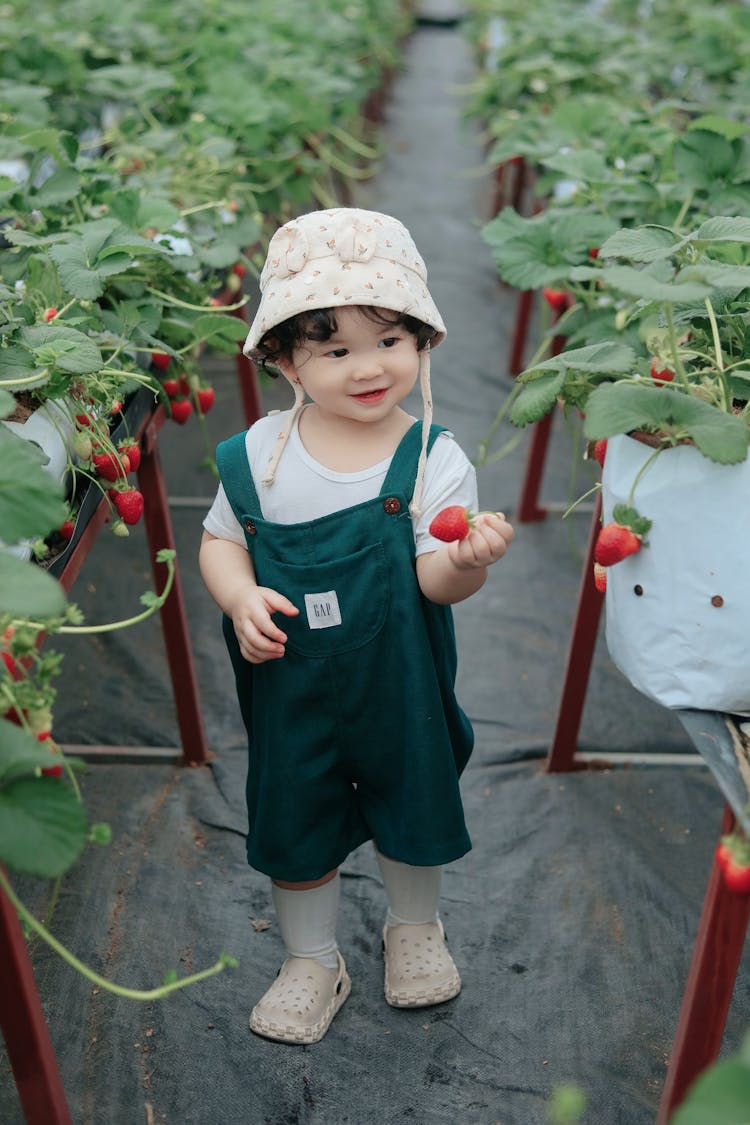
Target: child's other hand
[
  {"x": 259, "y": 637},
  {"x": 489, "y": 537}
]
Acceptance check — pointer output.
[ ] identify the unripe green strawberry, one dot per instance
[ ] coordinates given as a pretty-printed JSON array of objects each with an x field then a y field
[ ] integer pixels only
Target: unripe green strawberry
[{"x": 82, "y": 446}]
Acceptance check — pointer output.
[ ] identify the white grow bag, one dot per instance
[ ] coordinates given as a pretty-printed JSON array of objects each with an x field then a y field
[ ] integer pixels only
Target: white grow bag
[{"x": 678, "y": 611}]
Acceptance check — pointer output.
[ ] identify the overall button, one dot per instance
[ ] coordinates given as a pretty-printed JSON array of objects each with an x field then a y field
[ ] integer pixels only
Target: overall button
[
  {"x": 250, "y": 527},
  {"x": 392, "y": 505}
]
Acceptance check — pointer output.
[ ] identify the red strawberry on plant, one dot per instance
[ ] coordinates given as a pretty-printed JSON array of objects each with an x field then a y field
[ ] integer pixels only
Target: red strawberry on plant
[
  {"x": 600, "y": 451},
  {"x": 600, "y": 577},
  {"x": 659, "y": 373},
  {"x": 128, "y": 504},
  {"x": 557, "y": 299},
  {"x": 239, "y": 270},
  {"x": 181, "y": 409},
  {"x": 733, "y": 858},
  {"x": 131, "y": 450},
  {"x": 206, "y": 398},
  {"x": 622, "y": 537},
  {"x": 171, "y": 387},
  {"x": 110, "y": 466},
  {"x": 593, "y": 252},
  {"x": 160, "y": 360},
  {"x": 67, "y": 529},
  {"x": 183, "y": 384},
  {"x": 451, "y": 523},
  {"x": 49, "y": 314}
]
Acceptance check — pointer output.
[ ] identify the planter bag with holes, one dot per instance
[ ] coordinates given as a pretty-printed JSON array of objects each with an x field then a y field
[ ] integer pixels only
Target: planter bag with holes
[{"x": 678, "y": 611}]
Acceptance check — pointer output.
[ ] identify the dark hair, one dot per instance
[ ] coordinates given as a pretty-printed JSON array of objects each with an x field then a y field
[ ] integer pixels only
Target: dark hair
[{"x": 280, "y": 341}]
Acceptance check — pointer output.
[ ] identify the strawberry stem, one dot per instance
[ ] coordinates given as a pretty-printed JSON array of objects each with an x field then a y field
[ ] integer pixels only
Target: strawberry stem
[
  {"x": 158, "y": 601},
  {"x": 224, "y": 961}
]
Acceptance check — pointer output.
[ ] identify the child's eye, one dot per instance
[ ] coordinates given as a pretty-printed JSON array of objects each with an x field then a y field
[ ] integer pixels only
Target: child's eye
[
  {"x": 337, "y": 353},
  {"x": 389, "y": 342}
]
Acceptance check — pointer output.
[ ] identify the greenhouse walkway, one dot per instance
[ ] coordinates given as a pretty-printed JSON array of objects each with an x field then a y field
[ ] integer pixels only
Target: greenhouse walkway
[{"x": 572, "y": 919}]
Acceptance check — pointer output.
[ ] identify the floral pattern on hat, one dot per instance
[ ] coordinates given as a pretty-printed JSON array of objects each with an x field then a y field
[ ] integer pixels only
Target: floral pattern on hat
[{"x": 342, "y": 256}]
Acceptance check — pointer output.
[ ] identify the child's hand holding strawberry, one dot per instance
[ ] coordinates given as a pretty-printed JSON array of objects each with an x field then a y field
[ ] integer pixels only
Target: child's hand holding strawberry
[{"x": 474, "y": 542}]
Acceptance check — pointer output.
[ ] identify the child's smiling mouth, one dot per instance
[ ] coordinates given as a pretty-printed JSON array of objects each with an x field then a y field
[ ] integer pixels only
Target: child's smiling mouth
[{"x": 371, "y": 396}]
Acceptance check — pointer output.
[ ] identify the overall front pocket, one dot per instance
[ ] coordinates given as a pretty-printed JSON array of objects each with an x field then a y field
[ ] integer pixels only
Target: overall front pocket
[{"x": 342, "y": 604}]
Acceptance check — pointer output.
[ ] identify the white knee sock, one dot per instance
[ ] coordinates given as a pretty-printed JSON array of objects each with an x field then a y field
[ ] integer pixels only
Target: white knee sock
[
  {"x": 307, "y": 920},
  {"x": 413, "y": 892}
]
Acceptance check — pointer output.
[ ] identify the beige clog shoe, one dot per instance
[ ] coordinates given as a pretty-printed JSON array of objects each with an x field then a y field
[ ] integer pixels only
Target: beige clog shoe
[
  {"x": 419, "y": 970},
  {"x": 302, "y": 1001}
]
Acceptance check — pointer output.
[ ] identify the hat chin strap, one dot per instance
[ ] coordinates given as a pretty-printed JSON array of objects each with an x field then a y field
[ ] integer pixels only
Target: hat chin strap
[
  {"x": 415, "y": 508},
  {"x": 299, "y": 401}
]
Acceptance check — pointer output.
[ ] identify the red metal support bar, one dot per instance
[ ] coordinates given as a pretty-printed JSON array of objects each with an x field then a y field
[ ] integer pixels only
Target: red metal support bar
[
  {"x": 561, "y": 756},
  {"x": 520, "y": 331},
  {"x": 24, "y": 1029},
  {"x": 529, "y": 508},
  {"x": 708, "y": 992},
  {"x": 247, "y": 377},
  {"x": 173, "y": 616}
]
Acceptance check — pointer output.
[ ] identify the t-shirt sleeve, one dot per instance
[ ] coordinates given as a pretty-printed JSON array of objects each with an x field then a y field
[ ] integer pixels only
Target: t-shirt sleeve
[
  {"x": 450, "y": 478},
  {"x": 221, "y": 520}
]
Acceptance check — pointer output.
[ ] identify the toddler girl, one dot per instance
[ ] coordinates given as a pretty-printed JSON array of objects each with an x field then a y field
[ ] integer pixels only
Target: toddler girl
[{"x": 336, "y": 603}]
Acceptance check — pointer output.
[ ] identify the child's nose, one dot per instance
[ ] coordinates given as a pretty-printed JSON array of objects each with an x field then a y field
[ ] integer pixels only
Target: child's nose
[{"x": 369, "y": 366}]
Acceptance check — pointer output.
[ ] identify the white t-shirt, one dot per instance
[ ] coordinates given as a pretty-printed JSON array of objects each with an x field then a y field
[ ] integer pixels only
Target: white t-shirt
[{"x": 303, "y": 489}]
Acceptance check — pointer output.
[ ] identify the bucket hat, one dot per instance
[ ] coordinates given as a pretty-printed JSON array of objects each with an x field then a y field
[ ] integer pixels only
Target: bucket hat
[{"x": 342, "y": 256}]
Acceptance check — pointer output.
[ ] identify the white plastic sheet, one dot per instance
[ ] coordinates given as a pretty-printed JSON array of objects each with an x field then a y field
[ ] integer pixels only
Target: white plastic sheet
[{"x": 678, "y": 612}]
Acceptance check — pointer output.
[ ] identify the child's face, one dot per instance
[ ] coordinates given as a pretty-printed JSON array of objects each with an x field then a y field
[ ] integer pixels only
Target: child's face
[{"x": 362, "y": 372}]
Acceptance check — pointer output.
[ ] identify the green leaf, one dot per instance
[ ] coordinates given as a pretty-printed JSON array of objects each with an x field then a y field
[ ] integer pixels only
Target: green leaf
[
  {"x": 27, "y": 591},
  {"x": 226, "y": 326},
  {"x": 619, "y": 408},
  {"x": 42, "y": 827},
  {"x": 30, "y": 500},
  {"x": 7, "y": 403},
  {"x": 723, "y": 228},
  {"x": 643, "y": 244},
  {"x": 640, "y": 283},
  {"x": 537, "y": 399},
  {"x": 75, "y": 272},
  {"x": 65, "y": 348},
  {"x": 721, "y": 1096},
  {"x": 609, "y": 358},
  {"x": 715, "y": 123},
  {"x": 719, "y": 275},
  {"x": 62, "y": 185},
  {"x": 17, "y": 369},
  {"x": 21, "y": 754}
]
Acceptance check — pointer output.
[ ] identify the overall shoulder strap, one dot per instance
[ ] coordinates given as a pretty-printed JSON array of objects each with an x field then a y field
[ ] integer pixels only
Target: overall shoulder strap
[
  {"x": 402, "y": 473},
  {"x": 234, "y": 471}
]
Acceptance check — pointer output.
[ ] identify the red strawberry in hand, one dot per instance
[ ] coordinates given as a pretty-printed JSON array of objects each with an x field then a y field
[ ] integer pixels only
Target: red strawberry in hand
[
  {"x": 622, "y": 537},
  {"x": 128, "y": 504},
  {"x": 451, "y": 523}
]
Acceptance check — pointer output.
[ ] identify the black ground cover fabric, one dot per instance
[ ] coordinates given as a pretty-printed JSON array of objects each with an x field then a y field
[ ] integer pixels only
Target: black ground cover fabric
[{"x": 572, "y": 919}]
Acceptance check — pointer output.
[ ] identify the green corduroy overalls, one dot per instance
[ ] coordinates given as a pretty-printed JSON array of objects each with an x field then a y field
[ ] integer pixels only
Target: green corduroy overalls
[{"x": 355, "y": 733}]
